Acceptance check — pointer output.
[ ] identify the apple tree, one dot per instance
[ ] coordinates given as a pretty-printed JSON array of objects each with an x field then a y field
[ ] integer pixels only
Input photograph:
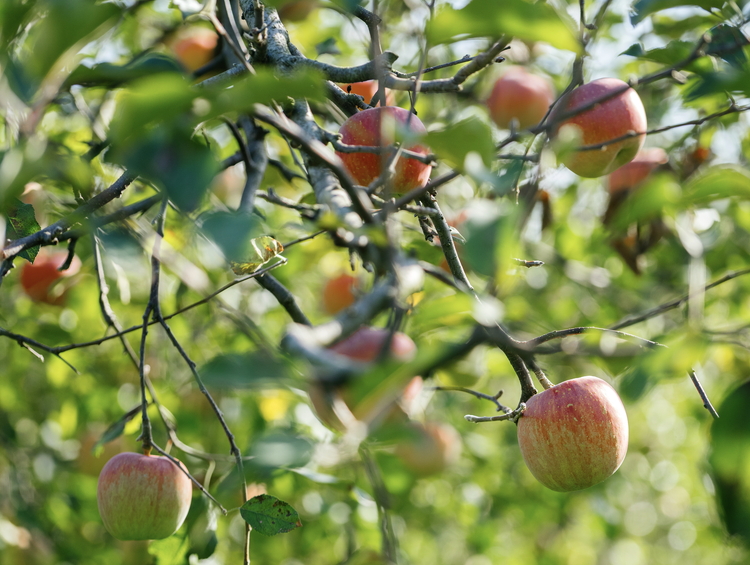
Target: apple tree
[{"x": 325, "y": 256}]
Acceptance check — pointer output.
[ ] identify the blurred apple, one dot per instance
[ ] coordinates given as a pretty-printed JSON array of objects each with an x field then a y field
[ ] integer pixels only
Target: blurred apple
[
  {"x": 429, "y": 448},
  {"x": 38, "y": 278},
  {"x": 520, "y": 95},
  {"x": 634, "y": 173},
  {"x": 574, "y": 435},
  {"x": 195, "y": 47},
  {"x": 339, "y": 293},
  {"x": 296, "y": 10}
]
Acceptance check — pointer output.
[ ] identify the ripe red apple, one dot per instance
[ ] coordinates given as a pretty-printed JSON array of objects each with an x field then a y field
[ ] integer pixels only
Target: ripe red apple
[
  {"x": 364, "y": 346},
  {"x": 38, "y": 278},
  {"x": 376, "y": 127},
  {"x": 619, "y": 115},
  {"x": 632, "y": 174},
  {"x": 367, "y": 89},
  {"x": 339, "y": 293},
  {"x": 521, "y": 95},
  {"x": 429, "y": 448},
  {"x": 195, "y": 47},
  {"x": 574, "y": 435},
  {"x": 143, "y": 497}
]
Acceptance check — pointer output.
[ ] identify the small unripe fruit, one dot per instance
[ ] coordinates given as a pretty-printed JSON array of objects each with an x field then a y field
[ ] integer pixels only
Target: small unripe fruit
[
  {"x": 143, "y": 497},
  {"x": 376, "y": 128},
  {"x": 620, "y": 114},
  {"x": 574, "y": 435},
  {"x": 520, "y": 95}
]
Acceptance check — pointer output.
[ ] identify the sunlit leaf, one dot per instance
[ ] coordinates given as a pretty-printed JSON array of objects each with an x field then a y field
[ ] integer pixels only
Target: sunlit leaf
[
  {"x": 485, "y": 18},
  {"x": 21, "y": 221},
  {"x": 249, "y": 370},
  {"x": 270, "y": 516},
  {"x": 262, "y": 250},
  {"x": 455, "y": 141},
  {"x": 643, "y": 8},
  {"x": 231, "y": 231},
  {"x": 170, "y": 551}
]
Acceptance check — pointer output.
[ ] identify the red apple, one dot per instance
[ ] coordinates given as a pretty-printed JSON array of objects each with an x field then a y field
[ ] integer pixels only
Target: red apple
[
  {"x": 521, "y": 95},
  {"x": 429, "y": 448},
  {"x": 364, "y": 346},
  {"x": 367, "y": 89},
  {"x": 616, "y": 116},
  {"x": 376, "y": 128},
  {"x": 296, "y": 10},
  {"x": 38, "y": 278},
  {"x": 339, "y": 293},
  {"x": 632, "y": 174},
  {"x": 143, "y": 497},
  {"x": 574, "y": 435},
  {"x": 195, "y": 47}
]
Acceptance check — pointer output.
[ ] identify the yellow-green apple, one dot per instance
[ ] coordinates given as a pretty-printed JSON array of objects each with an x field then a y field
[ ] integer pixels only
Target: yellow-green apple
[
  {"x": 195, "y": 47},
  {"x": 520, "y": 95},
  {"x": 429, "y": 448},
  {"x": 364, "y": 345},
  {"x": 376, "y": 127},
  {"x": 38, "y": 278},
  {"x": 634, "y": 173},
  {"x": 339, "y": 293},
  {"x": 574, "y": 434},
  {"x": 143, "y": 497},
  {"x": 615, "y": 116},
  {"x": 367, "y": 89}
]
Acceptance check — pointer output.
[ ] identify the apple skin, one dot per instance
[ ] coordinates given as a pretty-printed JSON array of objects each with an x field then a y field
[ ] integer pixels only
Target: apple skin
[
  {"x": 364, "y": 346},
  {"x": 37, "y": 278},
  {"x": 296, "y": 10},
  {"x": 339, "y": 293},
  {"x": 521, "y": 95},
  {"x": 367, "y": 89},
  {"x": 430, "y": 448},
  {"x": 613, "y": 118},
  {"x": 574, "y": 435},
  {"x": 143, "y": 497},
  {"x": 632, "y": 174},
  {"x": 367, "y": 128}
]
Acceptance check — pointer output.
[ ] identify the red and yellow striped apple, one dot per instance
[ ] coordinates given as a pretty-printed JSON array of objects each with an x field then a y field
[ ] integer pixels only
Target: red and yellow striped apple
[
  {"x": 574, "y": 434},
  {"x": 143, "y": 497}
]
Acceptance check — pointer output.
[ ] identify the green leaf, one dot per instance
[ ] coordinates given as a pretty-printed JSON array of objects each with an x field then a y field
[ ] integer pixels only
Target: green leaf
[
  {"x": 643, "y": 8},
  {"x": 733, "y": 81},
  {"x": 280, "y": 450},
  {"x": 453, "y": 143},
  {"x": 270, "y": 516},
  {"x": 243, "y": 370},
  {"x": 170, "y": 551},
  {"x": 231, "y": 232},
  {"x": 21, "y": 223},
  {"x": 114, "y": 431},
  {"x": 527, "y": 20},
  {"x": 717, "y": 183},
  {"x": 659, "y": 194},
  {"x": 109, "y": 75},
  {"x": 730, "y": 461}
]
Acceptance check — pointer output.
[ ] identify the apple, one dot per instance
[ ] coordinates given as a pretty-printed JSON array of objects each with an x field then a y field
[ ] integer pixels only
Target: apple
[
  {"x": 574, "y": 434},
  {"x": 376, "y": 128},
  {"x": 616, "y": 116},
  {"x": 367, "y": 89},
  {"x": 519, "y": 95},
  {"x": 296, "y": 10},
  {"x": 339, "y": 293},
  {"x": 38, "y": 278},
  {"x": 429, "y": 448},
  {"x": 364, "y": 346},
  {"x": 634, "y": 173},
  {"x": 195, "y": 47},
  {"x": 143, "y": 497}
]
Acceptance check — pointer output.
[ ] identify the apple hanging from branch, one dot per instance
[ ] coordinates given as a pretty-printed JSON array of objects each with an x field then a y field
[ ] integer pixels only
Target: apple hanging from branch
[
  {"x": 574, "y": 434},
  {"x": 377, "y": 127},
  {"x": 615, "y": 116},
  {"x": 519, "y": 95},
  {"x": 143, "y": 497}
]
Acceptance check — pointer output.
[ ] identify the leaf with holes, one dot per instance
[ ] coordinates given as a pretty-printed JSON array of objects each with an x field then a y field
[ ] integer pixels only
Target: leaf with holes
[{"x": 269, "y": 515}]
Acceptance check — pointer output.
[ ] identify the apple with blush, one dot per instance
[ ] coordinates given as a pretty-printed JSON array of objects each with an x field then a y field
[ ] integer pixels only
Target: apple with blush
[
  {"x": 143, "y": 497},
  {"x": 368, "y": 89},
  {"x": 620, "y": 113},
  {"x": 574, "y": 434},
  {"x": 376, "y": 127},
  {"x": 634, "y": 173},
  {"x": 339, "y": 293},
  {"x": 429, "y": 449},
  {"x": 195, "y": 47},
  {"x": 521, "y": 96},
  {"x": 39, "y": 279}
]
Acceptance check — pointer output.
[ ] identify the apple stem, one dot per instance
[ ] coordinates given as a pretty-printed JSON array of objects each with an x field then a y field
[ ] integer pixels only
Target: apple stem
[{"x": 513, "y": 416}]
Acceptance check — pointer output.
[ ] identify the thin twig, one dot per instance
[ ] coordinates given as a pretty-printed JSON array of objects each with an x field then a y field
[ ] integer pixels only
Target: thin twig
[{"x": 706, "y": 402}]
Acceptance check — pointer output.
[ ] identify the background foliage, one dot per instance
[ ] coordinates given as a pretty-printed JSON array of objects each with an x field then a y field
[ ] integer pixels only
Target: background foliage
[{"x": 91, "y": 91}]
